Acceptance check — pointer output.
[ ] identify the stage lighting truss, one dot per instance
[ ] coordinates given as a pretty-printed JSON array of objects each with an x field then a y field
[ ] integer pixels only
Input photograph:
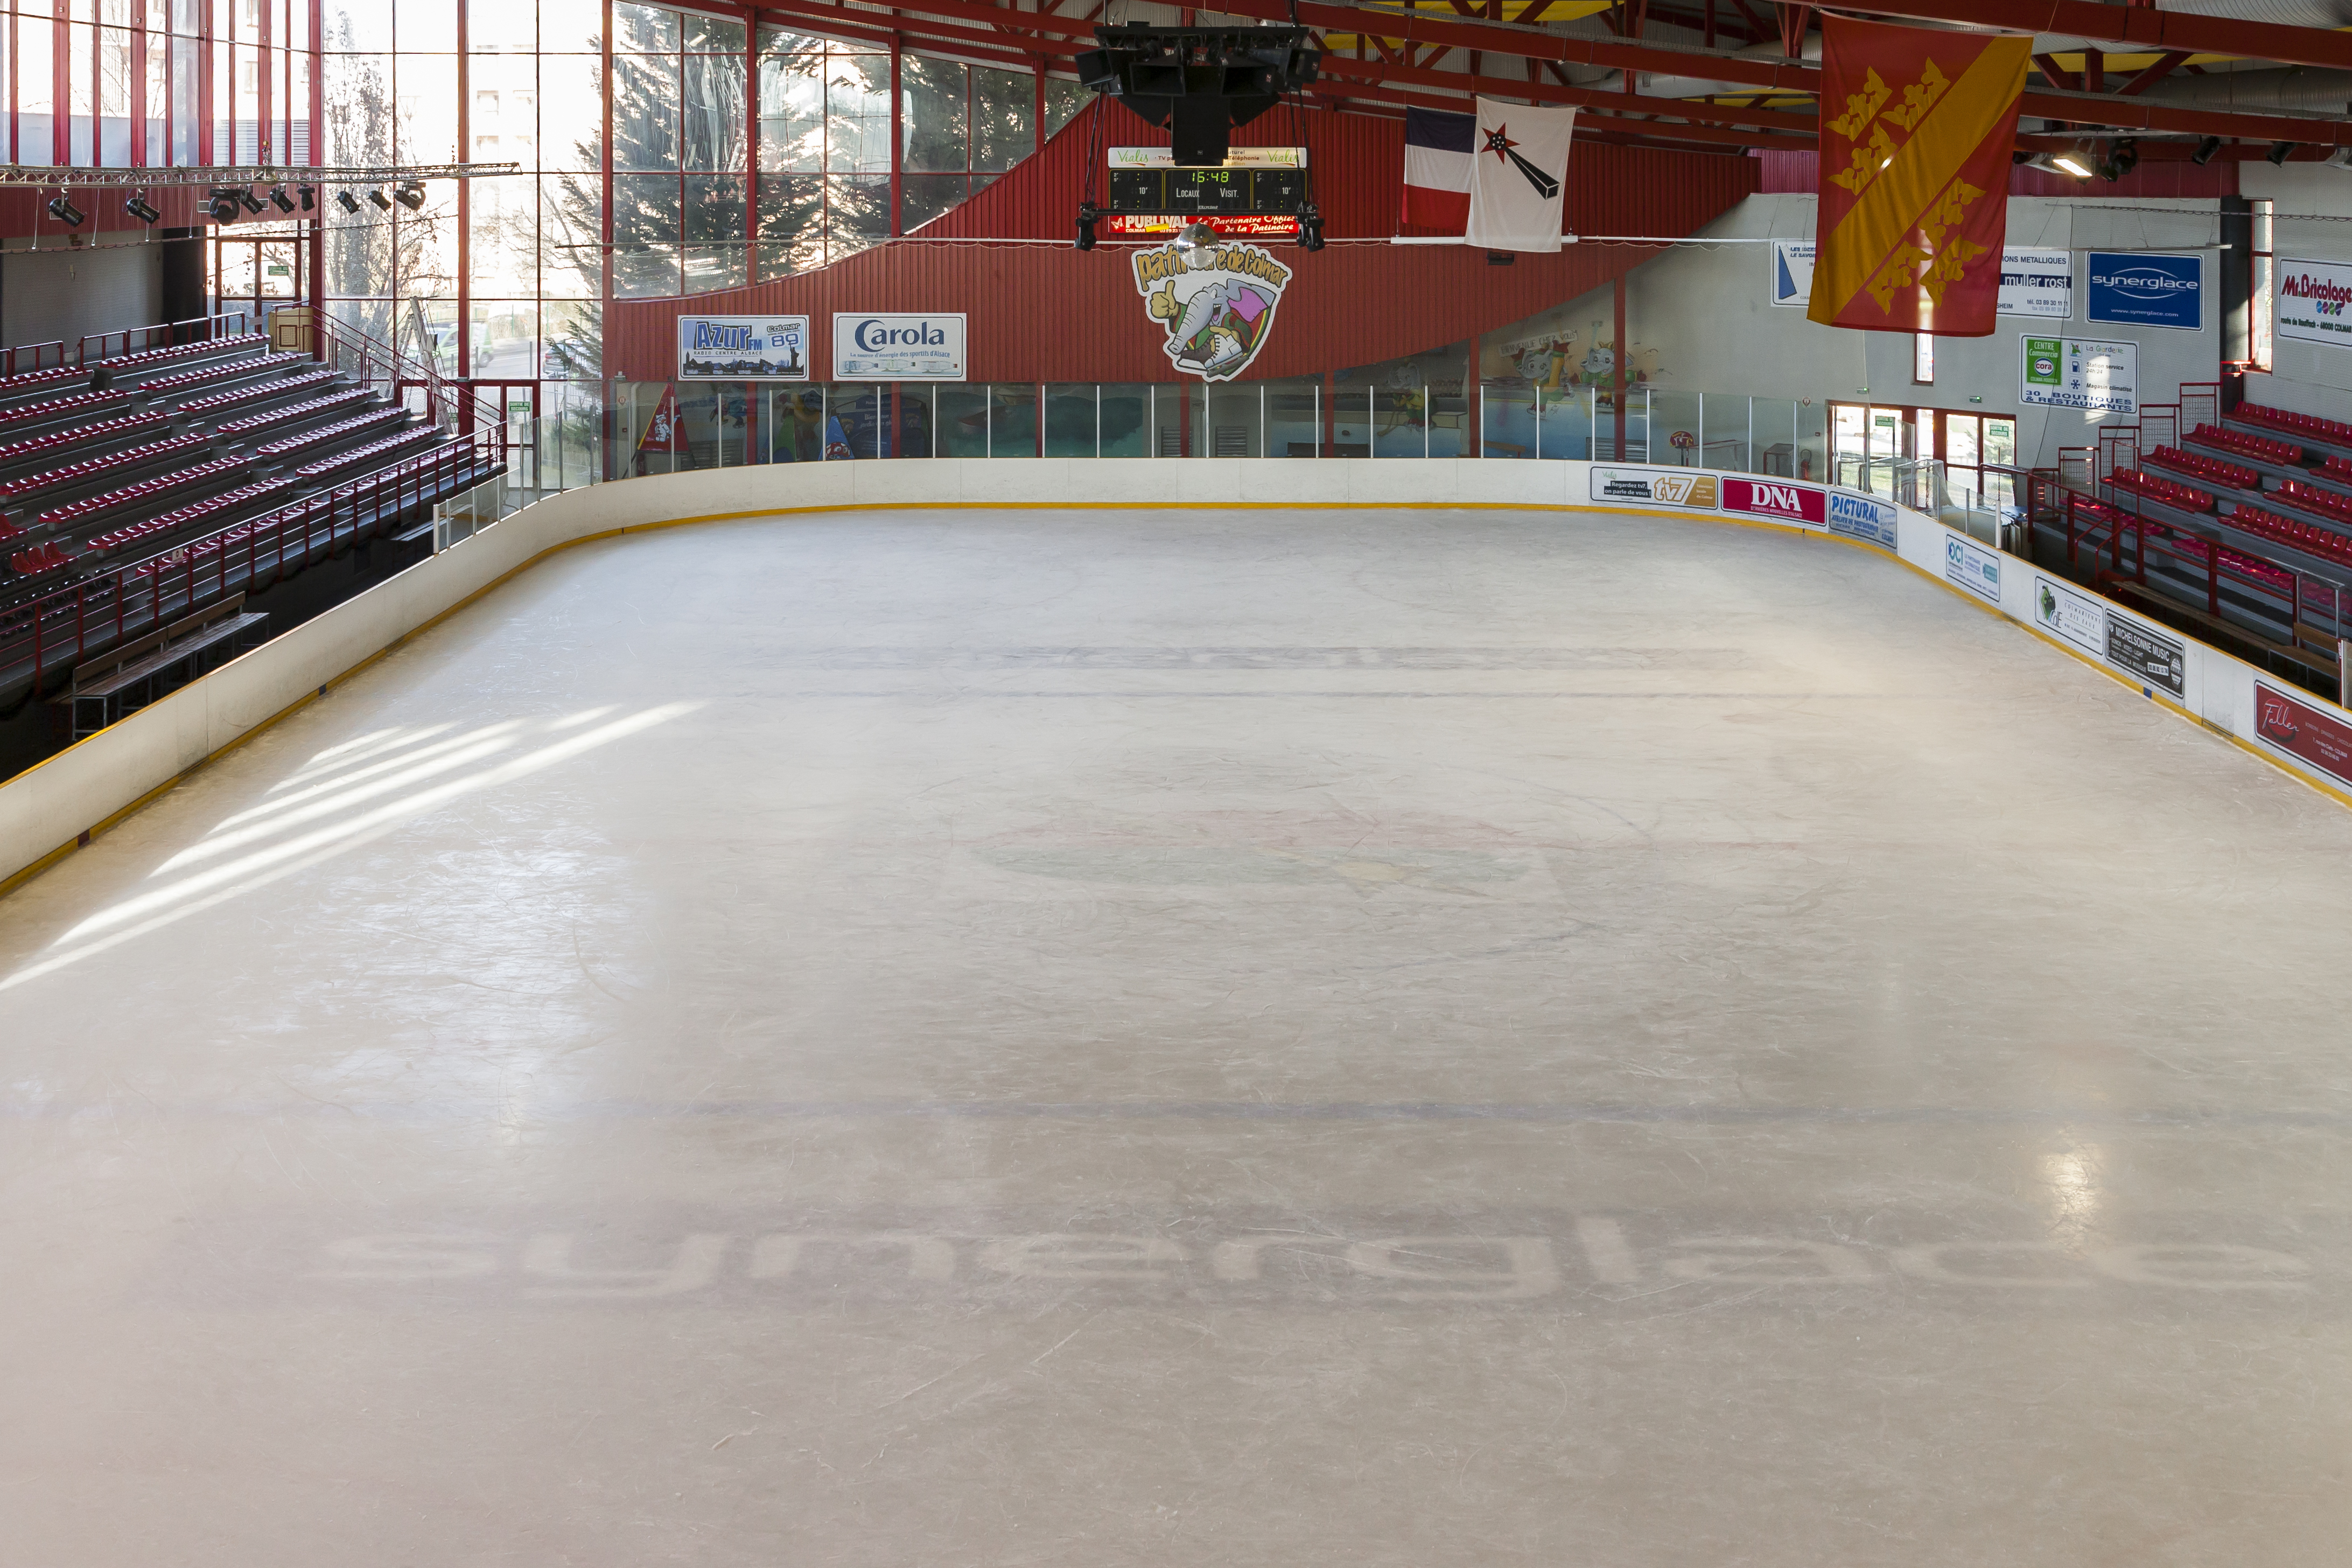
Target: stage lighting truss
[{"x": 1199, "y": 82}]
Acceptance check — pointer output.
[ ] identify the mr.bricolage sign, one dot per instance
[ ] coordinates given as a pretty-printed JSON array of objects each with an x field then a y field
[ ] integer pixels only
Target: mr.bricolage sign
[{"x": 1216, "y": 305}]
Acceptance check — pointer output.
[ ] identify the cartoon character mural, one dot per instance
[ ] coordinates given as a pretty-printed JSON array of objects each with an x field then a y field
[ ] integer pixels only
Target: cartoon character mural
[{"x": 1216, "y": 304}]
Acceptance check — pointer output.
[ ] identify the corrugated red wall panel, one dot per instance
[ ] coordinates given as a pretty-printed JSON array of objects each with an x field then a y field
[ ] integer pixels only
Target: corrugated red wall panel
[
  {"x": 1799, "y": 174},
  {"x": 1047, "y": 312}
]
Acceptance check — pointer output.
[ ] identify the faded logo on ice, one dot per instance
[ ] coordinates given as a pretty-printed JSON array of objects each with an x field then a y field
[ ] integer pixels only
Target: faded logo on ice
[{"x": 1216, "y": 306}]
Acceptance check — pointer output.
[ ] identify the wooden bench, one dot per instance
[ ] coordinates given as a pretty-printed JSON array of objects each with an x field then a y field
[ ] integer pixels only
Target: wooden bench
[{"x": 103, "y": 682}]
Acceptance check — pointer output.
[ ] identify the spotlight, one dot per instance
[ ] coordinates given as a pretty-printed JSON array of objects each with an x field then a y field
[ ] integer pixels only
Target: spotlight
[
  {"x": 280, "y": 200},
  {"x": 64, "y": 212},
  {"x": 350, "y": 204},
  {"x": 2066, "y": 161},
  {"x": 247, "y": 200},
  {"x": 2121, "y": 159},
  {"x": 2280, "y": 152},
  {"x": 2339, "y": 159},
  {"x": 222, "y": 206},
  {"x": 137, "y": 208},
  {"x": 410, "y": 196},
  {"x": 2205, "y": 150},
  {"x": 1311, "y": 227},
  {"x": 1194, "y": 241},
  {"x": 1087, "y": 214},
  {"x": 383, "y": 203},
  {"x": 308, "y": 195}
]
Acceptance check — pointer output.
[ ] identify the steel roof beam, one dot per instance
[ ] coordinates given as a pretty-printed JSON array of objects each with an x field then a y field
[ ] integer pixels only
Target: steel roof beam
[{"x": 2150, "y": 30}]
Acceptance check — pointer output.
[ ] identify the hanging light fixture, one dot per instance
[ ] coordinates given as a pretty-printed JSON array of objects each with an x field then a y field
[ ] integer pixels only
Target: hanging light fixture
[
  {"x": 350, "y": 202},
  {"x": 280, "y": 200},
  {"x": 383, "y": 203},
  {"x": 2205, "y": 150},
  {"x": 410, "y": 196},
  {"x": 223, "y": 205},
  {"x": 308, "y": 197},
  {"x": 247, "y": 200},
  {"x": 138, "y": 208},
  {"x": 64, "y": 212}
]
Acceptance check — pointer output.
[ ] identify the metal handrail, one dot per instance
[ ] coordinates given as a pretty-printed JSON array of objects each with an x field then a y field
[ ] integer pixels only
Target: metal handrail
[
  {"x": 75, "y": 619},
  {"x": 173, "y": 335}
]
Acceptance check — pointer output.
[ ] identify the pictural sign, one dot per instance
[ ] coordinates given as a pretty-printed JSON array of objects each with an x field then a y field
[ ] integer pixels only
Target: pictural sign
[{"x": 1216, "y": 304}]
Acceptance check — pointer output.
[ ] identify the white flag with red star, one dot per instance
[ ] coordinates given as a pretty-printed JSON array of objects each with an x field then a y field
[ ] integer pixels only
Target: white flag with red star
[{"x": 1519, "y": 169}]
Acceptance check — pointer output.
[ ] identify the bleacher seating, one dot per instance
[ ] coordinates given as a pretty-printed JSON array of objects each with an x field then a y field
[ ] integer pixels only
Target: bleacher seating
[
  {"x": 129, "y": 428},
  {"x": 236, "y": 398},
  {"x": 34, "y": 380},
  {"x": 89, "y": 469},
  {"x": 2337, "y": 469},
  {"x": 294, "y": 413},
  {"x": 40, "y": 558},
  {"x": 164, "y": 523},
  {"x": 80, "y": 405},
  {"x": 2306, "y": 426},
  {"x": 374, "y": 454},
  {"x": 367, "y": 424},
  {"x": 2212, "y": 470},
  {"x": 2199, "y": 548},
  {"x": 2310, "y": 538},
  {"x": 204, "y": 375},
  {"x": 2329, "y": 504},
  {"x": 2164, "y": 491},
  {"x": 146, "y": 492},
  {"x": 2261, "y": 448},
  {"x": 149, "y": 359}
]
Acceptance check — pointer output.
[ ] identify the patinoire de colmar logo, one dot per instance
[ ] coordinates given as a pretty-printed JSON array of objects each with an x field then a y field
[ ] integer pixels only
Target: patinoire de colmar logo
[{"x": 1216, "y": 305}]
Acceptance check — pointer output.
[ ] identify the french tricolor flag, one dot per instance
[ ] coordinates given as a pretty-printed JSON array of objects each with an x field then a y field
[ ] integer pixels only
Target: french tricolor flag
[{"x": 1437, "y": 161}]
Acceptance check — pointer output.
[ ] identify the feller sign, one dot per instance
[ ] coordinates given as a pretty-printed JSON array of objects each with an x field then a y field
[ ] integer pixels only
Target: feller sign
[{"x": 1216, "y": 304}]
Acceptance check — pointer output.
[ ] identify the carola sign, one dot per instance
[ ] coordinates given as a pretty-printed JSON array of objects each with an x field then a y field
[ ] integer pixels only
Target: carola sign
[
  {"x": 1807, "y": 506},
  {"x": 900, "y": 346}
]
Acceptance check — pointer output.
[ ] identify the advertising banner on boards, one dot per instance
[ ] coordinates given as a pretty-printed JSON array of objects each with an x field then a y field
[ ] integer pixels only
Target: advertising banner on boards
[
  {"x": 898, "y": 346},
  {"x": 2033, "y": 282},
  {"x": 1654, "y": 487},
  {"x": 2309, "y": 298},
  {"x": 1806, "y": 506},
  {"x": 2037, "y": 282},
  {"x": 2298, "y": 728},
  {"x": 2077, "y": 373},
  {"x": 1859, "y": 517},
  {"x": 2077, "y": 617},
  {"x": 743, "y": 348},
  {"x": 2148, "y": 656},
  {"x": 1973, "y": 567},
  {"x": 2137, "y": 290}
]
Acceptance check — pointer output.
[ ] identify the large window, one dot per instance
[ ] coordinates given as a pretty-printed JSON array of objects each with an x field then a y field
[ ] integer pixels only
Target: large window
[
  {"x": 734, "y": 156},
  {"x": 121, "y": 84}
]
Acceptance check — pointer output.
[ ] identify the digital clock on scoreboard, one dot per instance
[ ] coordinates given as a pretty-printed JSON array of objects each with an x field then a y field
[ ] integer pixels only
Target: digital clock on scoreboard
[{"x": 1255, "y": 181}]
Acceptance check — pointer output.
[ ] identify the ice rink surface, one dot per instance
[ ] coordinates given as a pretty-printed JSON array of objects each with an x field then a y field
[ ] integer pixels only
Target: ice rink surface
[{"x": 1255, "y": 1040}]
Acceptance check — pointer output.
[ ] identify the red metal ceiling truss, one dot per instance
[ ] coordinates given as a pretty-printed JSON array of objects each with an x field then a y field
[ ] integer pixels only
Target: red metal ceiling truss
[{"x": 993, "y": 32}]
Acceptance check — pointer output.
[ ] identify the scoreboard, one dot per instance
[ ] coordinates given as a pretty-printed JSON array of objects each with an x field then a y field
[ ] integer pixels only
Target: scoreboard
[
  {"x": 1208, "y": 193},
  {"x": 1257, "y": 191}
]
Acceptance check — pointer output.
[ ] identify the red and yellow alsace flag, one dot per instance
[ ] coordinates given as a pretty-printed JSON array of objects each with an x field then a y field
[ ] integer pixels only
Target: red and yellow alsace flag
[{"x": 1917, "y": 128}]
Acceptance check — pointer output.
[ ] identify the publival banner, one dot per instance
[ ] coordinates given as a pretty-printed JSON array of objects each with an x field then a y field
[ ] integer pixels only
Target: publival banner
[{"x": 1917, "y": 130}]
